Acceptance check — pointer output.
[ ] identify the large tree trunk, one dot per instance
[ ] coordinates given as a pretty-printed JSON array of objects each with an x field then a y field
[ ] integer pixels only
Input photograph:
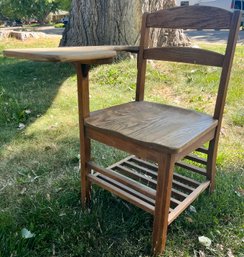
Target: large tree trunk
[
  {"x": 112, "y": 22},
  {"x": 103, "y": 22}
]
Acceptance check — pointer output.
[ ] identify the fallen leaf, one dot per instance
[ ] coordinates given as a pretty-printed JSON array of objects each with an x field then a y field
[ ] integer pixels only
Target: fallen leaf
[
  {"x": 53, "y": 250},
  {"x": 28, "y": 111},
  {"x": 223, "y": 131},
  {"x": 220, "y": 247},
  {"x": 189, "y": 219},
  {"x": 21, "y": 126},
  {"x": 240, "y": 192},
  {"x": 23, "y": 190},
  {"x": 48, "y": 197},
  {"x": 205, "y": 241},
  {"x": 192, "y": 209},
  {"x": 25, "y": 233},
  {"x": 229, "y": 253},
  {"x": 201, "y": 254}
]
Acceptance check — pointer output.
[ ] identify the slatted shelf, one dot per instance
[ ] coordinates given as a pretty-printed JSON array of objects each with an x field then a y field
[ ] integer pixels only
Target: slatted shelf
[{"x": 134, "y": 180}]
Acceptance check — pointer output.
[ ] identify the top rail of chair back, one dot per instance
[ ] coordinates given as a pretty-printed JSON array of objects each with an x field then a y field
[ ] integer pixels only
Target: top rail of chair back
[{"x": 191, "y": 17}]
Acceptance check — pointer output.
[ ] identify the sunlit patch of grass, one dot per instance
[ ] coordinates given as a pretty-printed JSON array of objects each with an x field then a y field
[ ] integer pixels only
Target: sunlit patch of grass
[
  {"x": 238, "y": 118},
  {"x": 30, "y": 43}
]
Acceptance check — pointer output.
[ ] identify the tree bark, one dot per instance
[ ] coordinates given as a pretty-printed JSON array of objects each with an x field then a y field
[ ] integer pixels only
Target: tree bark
[
  {"x": 103, "y": 22},
  {"x": 113, "y": 22}
]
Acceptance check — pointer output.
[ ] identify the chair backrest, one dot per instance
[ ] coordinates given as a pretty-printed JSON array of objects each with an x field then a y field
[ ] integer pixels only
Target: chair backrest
[{"x": 190, "y": 17}]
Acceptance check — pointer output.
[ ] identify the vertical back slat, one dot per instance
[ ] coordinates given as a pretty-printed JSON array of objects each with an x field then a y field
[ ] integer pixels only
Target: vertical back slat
[
  {"x": 141, "y": 62},
  {"x": 228, "y": 60}
]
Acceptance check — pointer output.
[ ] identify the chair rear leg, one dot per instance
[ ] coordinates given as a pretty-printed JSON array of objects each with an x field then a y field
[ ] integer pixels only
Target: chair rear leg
[
  {"x": 162, "y": 204},
  {"x": 211, "y": 163}
]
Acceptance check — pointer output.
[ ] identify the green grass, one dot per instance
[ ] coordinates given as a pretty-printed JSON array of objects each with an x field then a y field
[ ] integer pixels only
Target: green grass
[
  {"x": 59, "y": 25},
  {"x": 39, "y": 174}
]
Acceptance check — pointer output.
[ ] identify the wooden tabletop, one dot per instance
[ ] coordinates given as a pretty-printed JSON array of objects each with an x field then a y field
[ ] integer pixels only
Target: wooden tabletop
[{"x": 84, "y": 54}]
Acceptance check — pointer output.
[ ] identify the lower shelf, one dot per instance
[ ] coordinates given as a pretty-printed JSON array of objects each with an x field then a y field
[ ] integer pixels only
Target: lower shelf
[{"x": 134, "y": 180}]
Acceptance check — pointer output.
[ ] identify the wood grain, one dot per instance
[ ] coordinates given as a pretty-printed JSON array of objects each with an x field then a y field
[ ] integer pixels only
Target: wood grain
[
  {"x": 82, "y": 71},
  {"x": 141, "y": 62},
  {"x": 185, "y": 54},
  {"x": 128, "y": 196},
  {"x": 181, "y": 207},
  {"x": 162, "y": 204},
  {"x": 147, "y": 191},
  {"x": 84, "y": 54},
  {"x": 190, "y": 17},
  {"x": 160, "y": 126}
]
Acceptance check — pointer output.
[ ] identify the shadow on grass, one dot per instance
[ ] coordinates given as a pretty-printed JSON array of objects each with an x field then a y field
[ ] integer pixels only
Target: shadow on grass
[
  {"x": 49, "y": 206},
  {"x": 27, "y": 90}
]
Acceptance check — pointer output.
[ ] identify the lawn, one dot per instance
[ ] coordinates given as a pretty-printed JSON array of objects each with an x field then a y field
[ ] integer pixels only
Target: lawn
[{"x": 39, "y": 158}]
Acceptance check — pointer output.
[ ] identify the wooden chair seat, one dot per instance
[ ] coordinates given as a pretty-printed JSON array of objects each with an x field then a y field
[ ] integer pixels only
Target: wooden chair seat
[{"x": 159, "y": 126}]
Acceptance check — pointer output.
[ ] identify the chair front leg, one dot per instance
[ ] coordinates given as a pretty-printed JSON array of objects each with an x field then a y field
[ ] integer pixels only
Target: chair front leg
[
  {"x": 162, "y": 203},
  {"x": 84, "y": 171},
  {"x": 82, "y": 71}
]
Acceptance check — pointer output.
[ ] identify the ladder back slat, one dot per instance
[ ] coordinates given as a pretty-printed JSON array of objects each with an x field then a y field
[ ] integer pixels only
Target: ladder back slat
[
  {"x": 190, "y": 17},
  {"x": 186, "y": 55}
]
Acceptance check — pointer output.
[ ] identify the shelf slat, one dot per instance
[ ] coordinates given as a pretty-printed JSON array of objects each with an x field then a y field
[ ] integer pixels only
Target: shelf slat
[
  {"x": 191, "y": 167},
  {"x": 184, "y": 179},
  {"x": 202, "y": 150},
  {"x": 133, "y": 165},
  {"x": 135, "y": 175},
  {"x": 123, "y": 194},
  {"x": 195, "y": 158},
  {"x": 181, "y": 207},
  {"x": 127, "y": 189},
  {"x": 149, "y": 192}
]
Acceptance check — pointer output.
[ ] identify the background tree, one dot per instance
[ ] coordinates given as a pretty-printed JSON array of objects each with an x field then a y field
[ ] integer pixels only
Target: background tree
[
  {"x": 41, "y": 9},
  {"x": 65, "y": 5},
  {"x": 111, "y": 22},
  {"x": 9, "y": 9},
  {"x": 26, "y": 9}
]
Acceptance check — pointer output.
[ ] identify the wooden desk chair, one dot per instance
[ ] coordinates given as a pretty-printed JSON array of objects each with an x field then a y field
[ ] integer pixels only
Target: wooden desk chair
[{"x": 159, "y": 136}]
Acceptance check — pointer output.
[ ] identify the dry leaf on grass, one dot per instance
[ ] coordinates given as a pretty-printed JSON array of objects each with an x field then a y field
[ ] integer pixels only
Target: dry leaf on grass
[{"x": 205, "y": 241}]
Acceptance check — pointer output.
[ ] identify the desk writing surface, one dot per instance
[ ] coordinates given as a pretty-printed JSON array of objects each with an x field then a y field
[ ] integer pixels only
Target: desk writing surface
[{"x": 84, "y": 54}]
